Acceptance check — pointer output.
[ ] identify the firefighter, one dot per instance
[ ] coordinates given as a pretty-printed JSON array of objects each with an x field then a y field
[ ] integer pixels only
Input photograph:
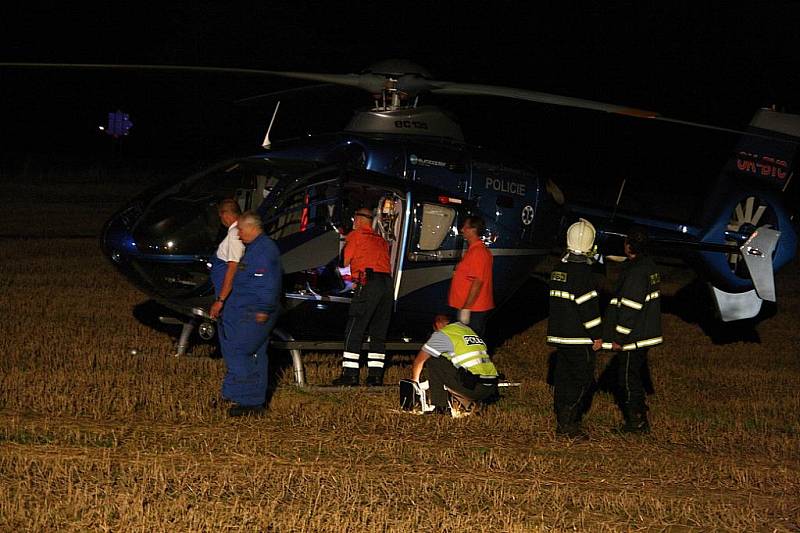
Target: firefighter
[
  {"x": 367, "y": 255},
  {"x": 250, "y": 313},
  {"x": 455, "y": 357},
  {"x": 574, "y": 327},
  {"x": 632, "y": 326}
]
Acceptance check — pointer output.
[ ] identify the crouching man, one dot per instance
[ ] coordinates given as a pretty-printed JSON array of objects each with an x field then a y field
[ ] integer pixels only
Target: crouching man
[{"x": 456, "y": 360}]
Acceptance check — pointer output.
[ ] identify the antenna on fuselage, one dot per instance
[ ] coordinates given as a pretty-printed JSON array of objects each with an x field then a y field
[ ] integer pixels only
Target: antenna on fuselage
[
  {"x": 619, "y": 197},
  {"x": 267, "y": 143}
]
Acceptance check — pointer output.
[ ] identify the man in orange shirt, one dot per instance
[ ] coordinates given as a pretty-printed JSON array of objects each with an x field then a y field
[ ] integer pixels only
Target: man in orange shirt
[
  {"x": 471, "y": 289},
  {"x": 367, "y": 254}
]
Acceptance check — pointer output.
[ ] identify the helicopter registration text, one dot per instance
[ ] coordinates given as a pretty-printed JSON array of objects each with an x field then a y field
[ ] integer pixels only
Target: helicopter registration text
[{"x": 510, "y": 187}]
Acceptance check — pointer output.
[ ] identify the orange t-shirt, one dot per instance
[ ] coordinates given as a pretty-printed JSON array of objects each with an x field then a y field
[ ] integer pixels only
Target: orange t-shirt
[
  {"x": 366, "y": 249},
  {"x": 476, "y": 264}
]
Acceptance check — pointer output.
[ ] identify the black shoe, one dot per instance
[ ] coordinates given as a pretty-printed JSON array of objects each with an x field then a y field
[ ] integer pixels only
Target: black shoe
[
  {"x": 636, "y": 422},
  {"x": 439, "y": 411},
  {"x": 572, "y": 431},
  {"x": 374, "y": 381},
  {"x": 640, "y": 427},
  {"x": 246, "y": 410},
  {"x": 346, "y": 380}
]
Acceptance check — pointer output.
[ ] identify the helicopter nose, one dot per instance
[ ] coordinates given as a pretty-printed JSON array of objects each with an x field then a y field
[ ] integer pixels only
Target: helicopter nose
[
  {"x": 170, "y": 228},
  {"x": 116, "y": 239}
]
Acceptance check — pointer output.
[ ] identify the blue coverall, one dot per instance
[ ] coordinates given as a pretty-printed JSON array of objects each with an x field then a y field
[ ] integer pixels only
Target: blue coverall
[{"x": 256, "y": 289}]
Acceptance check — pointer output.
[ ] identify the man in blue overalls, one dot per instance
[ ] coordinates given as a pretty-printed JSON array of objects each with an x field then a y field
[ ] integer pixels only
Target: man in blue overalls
[{"x": 251, "y": 311}]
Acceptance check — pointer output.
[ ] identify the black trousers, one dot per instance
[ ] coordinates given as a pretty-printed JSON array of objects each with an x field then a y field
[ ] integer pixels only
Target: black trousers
[
  {"x": 441, "y": 373},
  {"x": 631, "y": 372},
  {"x": 627, "y": 378},
  {"x": 370, "y": 313},
  {"x": 573, "y": 379}
]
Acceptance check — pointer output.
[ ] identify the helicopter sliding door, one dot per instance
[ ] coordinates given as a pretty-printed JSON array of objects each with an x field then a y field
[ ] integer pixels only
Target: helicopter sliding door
[
  {"x": 309, "y": 222},
  {"x": 434, "y": 248}
]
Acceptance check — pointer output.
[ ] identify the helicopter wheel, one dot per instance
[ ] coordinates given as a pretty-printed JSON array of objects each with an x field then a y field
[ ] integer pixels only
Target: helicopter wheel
[{"x": 746, "y": 217}]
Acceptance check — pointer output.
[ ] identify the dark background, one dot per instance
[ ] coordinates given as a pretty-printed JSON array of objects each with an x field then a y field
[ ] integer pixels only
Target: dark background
[{"x": 703, "y": 62}]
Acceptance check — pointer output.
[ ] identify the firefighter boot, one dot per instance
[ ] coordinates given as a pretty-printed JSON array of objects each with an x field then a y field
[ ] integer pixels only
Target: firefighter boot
[
  {"x": 635, "y": 420},
  {"x": 349, "y": 378},
  {"x": 376, "y": 363},
  {"x": 566, "y": 423},
  {"x": 374, "y": 379}
]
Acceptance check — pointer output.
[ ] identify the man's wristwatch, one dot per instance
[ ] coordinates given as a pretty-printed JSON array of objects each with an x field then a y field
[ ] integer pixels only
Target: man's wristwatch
[{"x": 221, "y": 300}]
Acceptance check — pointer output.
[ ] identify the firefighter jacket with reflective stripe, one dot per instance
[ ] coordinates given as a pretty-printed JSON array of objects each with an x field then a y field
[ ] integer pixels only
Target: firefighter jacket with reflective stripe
[
  {"x": 574, "y": 303},
  {"x": 469, "y": 351},
  {"x": 633, "y": 317}
]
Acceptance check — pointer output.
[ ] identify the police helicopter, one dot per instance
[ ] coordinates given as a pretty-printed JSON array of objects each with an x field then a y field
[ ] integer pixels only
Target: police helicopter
[{"x": 411, "y": 163}]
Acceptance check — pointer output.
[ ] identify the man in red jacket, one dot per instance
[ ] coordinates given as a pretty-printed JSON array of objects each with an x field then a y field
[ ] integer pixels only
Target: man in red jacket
[
  {"x": 471, "y": 293},
  {"x": 367, "y": 254}
]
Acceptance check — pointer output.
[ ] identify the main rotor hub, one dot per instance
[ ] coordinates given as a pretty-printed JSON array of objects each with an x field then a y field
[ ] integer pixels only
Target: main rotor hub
[{"x": 392, "y": 98}]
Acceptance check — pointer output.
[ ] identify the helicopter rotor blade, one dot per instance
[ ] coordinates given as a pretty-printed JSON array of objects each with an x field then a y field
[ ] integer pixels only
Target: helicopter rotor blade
[
  {"x": 295, "y": 90},
  {"x": 412, "y": 84},
  {"x": 373, "y": 83},
  {"x": 468, "y": 89}
]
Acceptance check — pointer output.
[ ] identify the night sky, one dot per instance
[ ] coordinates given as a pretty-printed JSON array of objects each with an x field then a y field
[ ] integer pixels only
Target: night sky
[{"x": 702, "y": 62}]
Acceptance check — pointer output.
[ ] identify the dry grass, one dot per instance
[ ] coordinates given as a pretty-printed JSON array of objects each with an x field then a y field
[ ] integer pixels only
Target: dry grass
[{"x": 92, "y": 437}]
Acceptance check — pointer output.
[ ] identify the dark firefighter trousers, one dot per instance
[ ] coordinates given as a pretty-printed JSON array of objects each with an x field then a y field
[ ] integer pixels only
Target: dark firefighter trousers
[
  {"x": 631, "y": 388},
  {"x": 573, "y": 380}
]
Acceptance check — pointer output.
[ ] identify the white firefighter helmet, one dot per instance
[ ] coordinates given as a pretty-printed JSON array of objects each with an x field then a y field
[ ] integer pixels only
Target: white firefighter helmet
[{"x": 580, "y": 237}]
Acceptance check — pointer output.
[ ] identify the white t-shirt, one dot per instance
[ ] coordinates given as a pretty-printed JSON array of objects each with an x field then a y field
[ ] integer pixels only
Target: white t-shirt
[{"x": 231, "y": 248}]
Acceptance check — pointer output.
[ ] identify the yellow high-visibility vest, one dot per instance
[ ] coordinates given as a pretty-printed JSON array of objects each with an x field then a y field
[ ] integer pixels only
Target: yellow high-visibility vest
[{"x": 469, "y": 351}]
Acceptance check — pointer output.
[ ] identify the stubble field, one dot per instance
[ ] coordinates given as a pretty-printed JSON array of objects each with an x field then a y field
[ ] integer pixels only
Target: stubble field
[{"x": 93, "y": 437}]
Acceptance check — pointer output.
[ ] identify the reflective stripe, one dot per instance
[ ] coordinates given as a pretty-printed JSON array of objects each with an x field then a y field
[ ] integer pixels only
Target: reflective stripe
[
  {"x": 592, "y": 323},
  {"x": 464, "y": 356},
  {"x": 474, "y": 362},
  {"x": 351, "y": 355},
  {"x": 631, "y": 304},
  {"x": 623, "y": 330},
  {"x": 586, "y": 297},
  {"x": 567, "y": 340},
  {"x": 380, "y": 356},
  {"x": 614, "y": 301},
  {"x": 650, "y": 342},
  {"x": 607, "y": 346},
  {"x": 350, "y": 364},
  {"x": 430, "y": 350},
  {"x": 375, "y": 364},
  {"x": 643, "y": 344},
  {"x": 562, "y": 294},
  {"x": 652, "y": 296}
]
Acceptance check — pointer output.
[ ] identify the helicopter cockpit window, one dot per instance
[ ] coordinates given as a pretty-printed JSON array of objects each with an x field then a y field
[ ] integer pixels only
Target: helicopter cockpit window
[
  {"x": 436, "y": 238},
  {"x": 304, "y": 209},
  {"x": 247, "y": 182}
]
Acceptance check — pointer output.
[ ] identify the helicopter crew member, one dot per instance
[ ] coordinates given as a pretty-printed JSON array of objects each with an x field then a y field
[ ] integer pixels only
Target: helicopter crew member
[
  {"x": 229, "y": 253},
  {"x": 574, "y": 327},
  {"x": 251, "y": 311},
  {"x": 456, "y": 359},
  {"x": 633, "y": 325},
  {"x": 367, "y": 254},
  {"x": 471, "y": 291}
]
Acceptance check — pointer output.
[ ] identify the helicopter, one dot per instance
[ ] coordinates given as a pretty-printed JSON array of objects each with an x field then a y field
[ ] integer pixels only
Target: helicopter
[{"x": 411, "y": 163}]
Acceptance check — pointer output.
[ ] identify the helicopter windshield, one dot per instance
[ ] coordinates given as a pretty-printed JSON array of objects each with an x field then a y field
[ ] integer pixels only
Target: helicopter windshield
[{"x": 247, "y": 181}]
